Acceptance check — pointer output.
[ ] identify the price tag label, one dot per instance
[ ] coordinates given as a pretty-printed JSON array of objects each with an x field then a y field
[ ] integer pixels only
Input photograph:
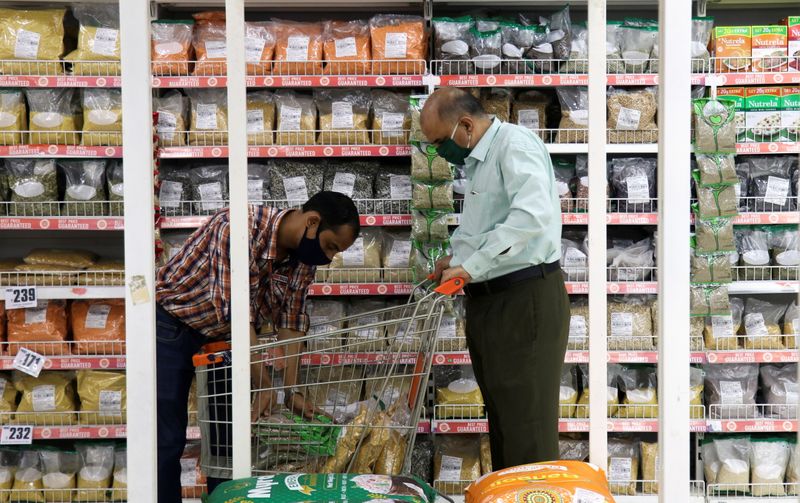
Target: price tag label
[
  {"x": 18, "y": 297},
  {"x": 16, "y": 435},
  {"x": 29, "y": 362}
]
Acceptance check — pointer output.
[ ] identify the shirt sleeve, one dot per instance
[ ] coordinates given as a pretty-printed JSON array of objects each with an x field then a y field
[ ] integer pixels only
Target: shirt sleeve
[
  {"x": 529, "y": 186},
  {"x": 219, "y": 271},
  {"x": 293, "y": 315}
]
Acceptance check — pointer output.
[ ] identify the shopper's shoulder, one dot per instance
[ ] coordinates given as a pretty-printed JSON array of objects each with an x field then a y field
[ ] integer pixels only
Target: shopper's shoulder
[{"x": 519, "y": 137}]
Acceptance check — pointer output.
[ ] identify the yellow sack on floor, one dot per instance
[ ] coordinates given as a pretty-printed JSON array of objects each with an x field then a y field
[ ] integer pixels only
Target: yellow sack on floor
[{"x": 29, "y": 36}]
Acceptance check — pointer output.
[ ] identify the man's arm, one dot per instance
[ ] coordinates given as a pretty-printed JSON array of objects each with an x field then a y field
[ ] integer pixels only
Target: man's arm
[{"x": 529, "y": 188}]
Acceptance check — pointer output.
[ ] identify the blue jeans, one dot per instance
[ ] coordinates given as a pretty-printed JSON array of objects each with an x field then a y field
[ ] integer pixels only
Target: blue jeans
[{"x": 176, "y": 343}]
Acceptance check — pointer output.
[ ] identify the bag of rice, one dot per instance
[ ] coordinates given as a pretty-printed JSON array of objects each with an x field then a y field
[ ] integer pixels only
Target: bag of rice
[
  {"x": 457, "y": 394},
  {"x": 753, "y": 247},
  {"x": 102, "y": 117},
  {"x": 172, "y": 109},
  {"x": 29, "y": 38},
  {"x": 94, "y": 477},
  {"x": 343, "y": 116},
  {"x": 52, "y": 116},
  {"x": 634, "y": 262},
  {"x": 209, "y": 123},
  {"x": 452, "y": 333},
  {"x": 721, "y": 331},
  {"x": 295, "y": 181},
  {"x": 47, "y": 400},
  {"x": 784, "y": 243},
  {"x": 296, "y": 118},
  {"x": 60, "y": 469},
  {"x": 171, "y": 46},
  {"x": 298, "y": 48},
  {"x": 579, "y": 326},
  {"x": 85, "y": 183},
  {"x": 209, "y": 188},
  {"x": 639, "y": 385},
  {"x": 791, "y": 325},
  {"x": 98, "y": 51},
  {"x": 769, "y": 458},
  {"x": 346, "y": 47},
  {"x": 115, "y": 189},
  {"x": 730, "y": 391},
  {"x": 780, "y": 390},
  {"x": 399, "y": 44},
  {"x": 623, "y": 466},
  {"x": 103, "y": 397},
  {"x": 28, "y": 479},
  {"x": 260, "y": 117},
  {"x": 396, "y": 257},
  {"x": 98, "y": 326},
  {"x": 34, "y": 187},
  {"x": 630, "y": 325},
  {"x": 13, "y": 117},
  {"x": 711, "y": 463},
  {"x": 364, "y": 256},
  {"x": 574, "y": 260},
  {"x": 390, "y": 118},
  {"x": 45, "y": 324},
  {"x": 733, "y": 454},
  {"x": 574, "y": 115},
  {"x": 761, "y": 324},
  {"x": 456, "y": 463},
  {"x": 568, "y": 395},
  {"x": 210, "y": 44},
  {"x": 119, "y": 487}
]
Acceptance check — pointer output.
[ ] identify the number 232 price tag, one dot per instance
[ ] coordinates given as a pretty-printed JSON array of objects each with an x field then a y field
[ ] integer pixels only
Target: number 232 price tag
[
  {"x": 16, "y": 435},
  {"x": 29, "y": 362},
  {"x": 18, "y": 297}
]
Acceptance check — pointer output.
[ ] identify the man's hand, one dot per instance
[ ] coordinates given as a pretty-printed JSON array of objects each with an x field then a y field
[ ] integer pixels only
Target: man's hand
[
  {"x": 455, "y": 272},
  {"x": 441, "y": 265}
]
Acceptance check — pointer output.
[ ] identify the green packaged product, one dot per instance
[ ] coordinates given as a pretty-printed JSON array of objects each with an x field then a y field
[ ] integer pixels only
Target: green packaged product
[
  {"x": 309, "y": 488},
  {"x": 426, "y": 165},
  {"x": 715, "y": 125}
]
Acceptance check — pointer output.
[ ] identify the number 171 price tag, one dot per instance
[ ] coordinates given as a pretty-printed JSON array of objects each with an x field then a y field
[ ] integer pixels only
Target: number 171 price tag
[
  {"x": 18, "y": 297},
  {"x": 16, "y": 435},
  {"x": 29, "y": 362}
]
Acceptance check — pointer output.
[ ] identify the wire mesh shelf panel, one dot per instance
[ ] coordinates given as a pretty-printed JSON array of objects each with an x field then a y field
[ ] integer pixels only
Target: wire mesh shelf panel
[
  {"x": 788, "y": 272},
  {"x": 63, "y": 278},
  {"x": 44, "y": 68},
  {"x": 308, "y": 68},
  {"x": 46, "y": 418},
  {"x": 66, "y": 348},
  {"x": 55, "y": 209},
  {"x": 718, "y": 493},
  {"x": 754, "y": 411},
  {"x": 66, "y": 137}
]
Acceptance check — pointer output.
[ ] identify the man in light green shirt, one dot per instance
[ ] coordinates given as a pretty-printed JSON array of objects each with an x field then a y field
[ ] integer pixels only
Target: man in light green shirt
[{"x": 507, "y": 248}]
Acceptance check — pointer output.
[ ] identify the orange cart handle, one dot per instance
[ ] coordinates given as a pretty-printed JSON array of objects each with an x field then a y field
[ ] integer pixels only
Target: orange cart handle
[
  {"x": 450, "y": 287},
  {"x": 210, "y": 354}
]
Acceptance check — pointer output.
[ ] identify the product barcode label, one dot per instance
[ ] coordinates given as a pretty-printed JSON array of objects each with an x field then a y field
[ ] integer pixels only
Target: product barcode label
[
  {"x": 35, "y": 315},
  {"x": 44, "y": 398},
  {"x": 297, "y": 49},
  {"x": 211, "y": 196},
  {"x": 342, "y": 115},
  {"x": 16, "y": 435},
  {"x": 170, "y": 194},
  {"x": 573, "y": 257},
  {"x": 167, "y": 124},
  {"x": 97, "y": 316},
  {"x": 368, "y": 333},
  {"x": 295, "y": 187},
  {"x": 216, "y": 49},
  {"x": 28, "y": 362},
  {"x": 344, "y": 183},
  {"x": 255, "y": 121},
  {"x": 400, "y": 187},
  {"x": 105, "y": 41},
  {"x": 188, "y": 472},
  {"x": 450, "y": 469},
  {"x": 206, "y": 116},
  {"x": 722, "y": 326},
  {"x": 400, "y": 254},
  {"x": 111, "y": 401},
  {"x": 528, "y": 119},
  {"x": 354, "y": 256},
  {"x": 777, "y": 190},
  {"x": 18, "y": 297},
  {"x": 447, "y": 329},
  {"x": 638, "y": 189},
  {"x": 255, "y": 190},
  {"x": 628, "y": 118},
  {"x": 253, "y": 48},
  {"x": 622, "y": 324},
  {"x": 392, "y": 124},
  {"x": 577, "y": 326},
  {"x": 290, "y": 118},
  {"x": 27, "y": 44},
  {"x": 396, "y": 45},
  {"x": 620, "y": 469},
  {"x": 754, "y": 324},
  {"x": 731, "y": 393},
  {"x": 345, "y": 47}
]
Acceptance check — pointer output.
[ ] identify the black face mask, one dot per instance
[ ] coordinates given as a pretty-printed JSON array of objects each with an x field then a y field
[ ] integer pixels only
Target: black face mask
[{"x": 309, "y": 251}]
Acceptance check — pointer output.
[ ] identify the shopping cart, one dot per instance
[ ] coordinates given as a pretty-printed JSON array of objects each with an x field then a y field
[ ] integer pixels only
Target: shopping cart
[{"x": 345, "y": 398}]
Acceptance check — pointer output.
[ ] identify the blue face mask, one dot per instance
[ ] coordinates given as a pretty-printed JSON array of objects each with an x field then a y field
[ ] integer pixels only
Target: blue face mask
[
  {"x": 309, "y": 251},
  {"x": 452, "y": 152}
]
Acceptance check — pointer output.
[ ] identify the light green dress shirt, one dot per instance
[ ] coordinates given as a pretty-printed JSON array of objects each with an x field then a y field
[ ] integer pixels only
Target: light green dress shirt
[{"x": 512, "y": 214}]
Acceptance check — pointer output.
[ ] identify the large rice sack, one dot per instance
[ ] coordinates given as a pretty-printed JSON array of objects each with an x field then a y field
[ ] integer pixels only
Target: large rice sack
[
  {"x": 551, "y": 482},
  {"x": 310, "y": 488}
]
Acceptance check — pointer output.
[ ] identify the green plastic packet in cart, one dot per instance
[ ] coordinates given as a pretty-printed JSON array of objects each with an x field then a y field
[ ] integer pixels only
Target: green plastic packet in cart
[{"x": 319, "y": 488}]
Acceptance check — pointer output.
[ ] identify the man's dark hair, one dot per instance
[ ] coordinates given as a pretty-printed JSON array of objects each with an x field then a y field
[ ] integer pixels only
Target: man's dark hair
[
  {"x": 335, "y": 209},
  {"x": 460, "y": 103}
]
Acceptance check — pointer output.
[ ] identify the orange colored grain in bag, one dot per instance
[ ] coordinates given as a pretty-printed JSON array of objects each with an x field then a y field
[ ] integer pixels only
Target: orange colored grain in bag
[
  {"x": 98, "y": 326},
  {"x": 399, "y": 45},
  {"x": 34, "y": 328},
  {"x": 298, "y": 48},
  {"x": 347, "y": 48},
  {"x": 171, "y": 47},
  {"x": 259, "y": 46},
  {"x": 210, "y": 45}
]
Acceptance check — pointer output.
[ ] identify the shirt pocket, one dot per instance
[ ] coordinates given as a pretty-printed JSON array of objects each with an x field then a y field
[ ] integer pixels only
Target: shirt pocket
[{"x": 478, "y": 214}]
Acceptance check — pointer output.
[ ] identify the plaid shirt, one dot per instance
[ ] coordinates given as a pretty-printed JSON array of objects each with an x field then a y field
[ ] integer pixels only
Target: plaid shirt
[{"x": 195, "y": 285}]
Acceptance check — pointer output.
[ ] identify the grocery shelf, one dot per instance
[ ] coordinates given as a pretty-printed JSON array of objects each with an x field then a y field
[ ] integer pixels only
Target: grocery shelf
[
  {"x": 307, "y": 151},
  {"x": 784, "y": 147},
  {"x": 293, "y": 81},
  {"x": 465, "y": 426},
  {"x": 753, "y": 356},
  {"x": 325, "y": 289},
  {"x": 752, "y": 426},
  {"x": 73, "y": 81},
  {"x": 725, "y": 493},
  {"x": 760, "y": 287},
  {"x": 61, "y": 223},
  {"x": 35, "y": 151},
  {"x": 72, "y": 362},
  {"x": 81, "y": 292},
  {"x": 79, "y": 432}
]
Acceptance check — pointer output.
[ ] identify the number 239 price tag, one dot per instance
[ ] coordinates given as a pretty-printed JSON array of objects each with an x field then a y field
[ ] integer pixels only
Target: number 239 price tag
[
  {"x": 16, "y": 435},
  {"x": 18, "y": 297},
  {"x": 29, "y": 362}
]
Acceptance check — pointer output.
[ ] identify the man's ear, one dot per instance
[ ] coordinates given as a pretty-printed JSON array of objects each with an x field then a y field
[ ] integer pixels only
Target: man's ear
[
  {"x": 467, "y": 123},
  {"x": 312, "y": 219}
]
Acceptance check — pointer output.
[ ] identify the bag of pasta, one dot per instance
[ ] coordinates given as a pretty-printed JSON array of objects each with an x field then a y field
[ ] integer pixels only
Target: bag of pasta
[
  {"x": 346, "y": 47},
  {"x": 31, "y": 41},
  {"x": 60, "y": 469},
  {"x": 98, "y": 51},
  {"x": 260, "y": 117},
  {"x": 47, "y": 400},
  {"x": 103, "y": 397},
  {"x": 343, "y": 116},
  {"x": 623, "y": 466},
  {"x": 298, "y": 48},
  {"x": 171, "y": 46},
  {"x": 94, "y": 477},
  {"x": 390, "y": 118},
  {"x": 33, "y": 185},
  {"x": 52, "y": 116},
  {"x": 13, "y": 117},
  {"x": 363, "y": 258},
  {"x": 98, "y": 326},
  {"x": 456, "y": 463},
  {"x": 399, "y": 44},
  {"x": 761, "y": 324},
  {"x": 209, "y": 124},
  {"x": 639, "y": 387},
  {"x": 172, "y": 109},
  {"x": 85, "y": 192},
  {"x": 296, "y": 118},
  {"x": 41, "y": 329},
  {"x": 210, "y": 44}
]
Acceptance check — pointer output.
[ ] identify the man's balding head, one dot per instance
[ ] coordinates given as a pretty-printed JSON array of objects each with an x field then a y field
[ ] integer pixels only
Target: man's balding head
[{"x": 448, "y": 107}]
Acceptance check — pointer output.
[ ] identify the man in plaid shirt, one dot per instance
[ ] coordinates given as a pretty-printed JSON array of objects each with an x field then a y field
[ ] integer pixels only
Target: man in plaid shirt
[{"x": 193, "y": 291}]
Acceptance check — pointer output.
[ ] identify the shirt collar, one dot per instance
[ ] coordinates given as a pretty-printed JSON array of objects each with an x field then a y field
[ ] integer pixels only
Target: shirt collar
[
  {"x": 271, "y": 250},
  {"x": 482, "y": 148}
]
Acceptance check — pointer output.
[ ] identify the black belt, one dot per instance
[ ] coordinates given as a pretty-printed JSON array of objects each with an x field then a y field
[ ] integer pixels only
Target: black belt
[{"x": 506, "y": 281}]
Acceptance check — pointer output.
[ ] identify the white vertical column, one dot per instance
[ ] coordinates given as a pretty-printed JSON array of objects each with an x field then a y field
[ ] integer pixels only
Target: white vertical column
[
  {"x": 137, "y": 139},
  {"x": 598, "y": 349},
  {"x": 673, "y": 248},
  {"x": 240, "y": 250}
]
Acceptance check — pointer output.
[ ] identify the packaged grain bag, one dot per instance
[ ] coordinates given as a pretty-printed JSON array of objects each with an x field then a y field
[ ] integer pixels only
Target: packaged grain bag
[
  {"x": 574, "y": 115},
  {"x": 259, "y": 47},
  {"x": 730, "y": 391},
  {"x": 258, "y": 180},
  {"x": 640, "y": 388},
  {"x": 613, "y": 373},
  {"x": 326, "y": 316},
  {"x": 623, "y": 466},
  {"x": 9, "y": 461},
  {"x": 47, "y": 400},
  {"x": 33, "y": 185},
  {"x": 634, "y": 180},
  {"x": 390, "y": 118},
  {"x": 456, "y": 463},
  {"x": 457, "y": 394},
  {"x": 8, "y": 399},
  {"x": 715, "y": 169},
  {"x": 696, "y": 383},
  {"x": 715, "y": 125},
  {"x": 784, "y": 243},
  {"x": 752, "y": 244},
  {"x": 173, "y": 112},
  {"x": 363, "y": 256},
  {"x": 28, "y": 478},
  {"x": 60, "y": 257},
  {"x": 296, "y": 118},
  {"x": 711, "y": 463},
  {"x": 52, "y": 116},
  {"x": 31, "y": 41},
  {"x": 13, "y": 116},
  {"x": 770, "y": 183},
  {"x": 295, "y": 181},
  {"x": 209, "y": 112},
  {"x": 568, "y": 394},
  {"x": 573, "y": 450},
  {"x": 210, "y": 44},
  {"x": 209, "y": 188},
  {"x": 761, "y": 324},
  {"x": 41, "y": 329},
  {"x": 171, "y": 46},
  {"x": 632, "y": 110},
  {"x": 791, "y": 325},
  {"x": 102, "y": 117},
  {"x": 175, "y": 190},
  {"x": 710, "y": 269},
  {"x": 793, "y": 470},
  {"x": 298, "y": 48},
  {"x": 399, "y": 44},
  {"x": 94, "y": 477},
  {"x": 115, "y": 188},
  {"x": 260, "y": 118},
  {"x": 451, "y": 44},
  {"x": 367, "y": 332},
  {"x": 630, "y": 325},
  {"x": 60, "y": 469},
  {"x": 105, "y": 272},
  {"x": 85, "y": 187},
  {"x": 346, "y": 47},
  {"x": 579, "y": 326},
  {"x": 396, "y": 257},
  {"x": 103, "y": 397},
  {"x": 714, "y": 236},
  {"x": 650, "y": 467},
  {"x": 769, "y": 458},
  {"x": 343, "y": 116},
  {"x": 432, "y": 196},
  {"x": 720, "y": 333},
  {"x": 780, "y": 390},
  {"x": 119, "y": 487},
  {"x": 98, "y": 326},
  {"x": 98, "y": 51},
  {"x": 452, "y": 332},
  {"x": 485, "y": 48}
]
